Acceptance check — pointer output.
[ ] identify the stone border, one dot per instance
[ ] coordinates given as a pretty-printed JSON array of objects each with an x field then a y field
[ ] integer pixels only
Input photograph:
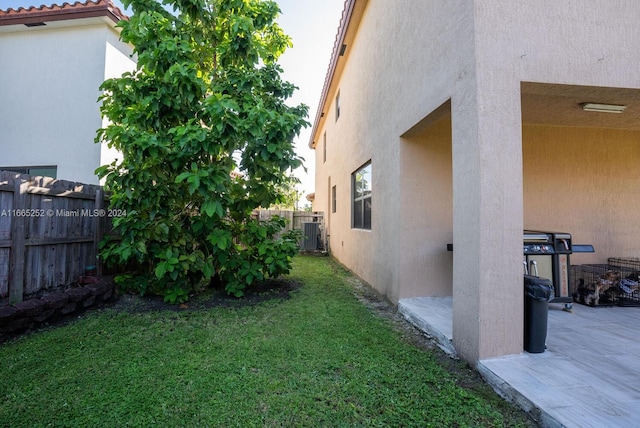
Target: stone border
[{"x": 33, "y": 313}]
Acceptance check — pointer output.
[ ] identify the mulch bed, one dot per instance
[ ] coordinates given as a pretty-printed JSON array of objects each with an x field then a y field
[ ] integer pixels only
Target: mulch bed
[
  {"x": 215, "y": 298},
  {"x": 17, "y": 321}
]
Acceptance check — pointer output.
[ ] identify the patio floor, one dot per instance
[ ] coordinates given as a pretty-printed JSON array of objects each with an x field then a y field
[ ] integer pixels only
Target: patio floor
[{"x": 589, "y": 376}]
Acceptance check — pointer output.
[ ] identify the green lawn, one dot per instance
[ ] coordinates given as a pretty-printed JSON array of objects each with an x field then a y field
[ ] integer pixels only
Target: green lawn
[{"x": 319, "y": 358}]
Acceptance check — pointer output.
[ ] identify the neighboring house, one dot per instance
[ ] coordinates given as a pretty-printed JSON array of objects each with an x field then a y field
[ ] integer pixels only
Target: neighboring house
[
  {"x": 462, "y": 122},
  {"x": 52, "y": 62}
]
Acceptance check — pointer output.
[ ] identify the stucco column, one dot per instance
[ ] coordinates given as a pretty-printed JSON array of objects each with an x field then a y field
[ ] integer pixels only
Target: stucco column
[{"x": 487, "y": 217}]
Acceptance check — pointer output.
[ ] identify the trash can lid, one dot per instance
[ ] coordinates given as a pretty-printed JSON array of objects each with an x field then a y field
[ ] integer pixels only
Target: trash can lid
[{"x": 538, "y": 288}]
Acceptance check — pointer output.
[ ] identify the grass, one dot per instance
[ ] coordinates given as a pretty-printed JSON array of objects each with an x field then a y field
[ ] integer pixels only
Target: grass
[{"x": 319, "y": 358}]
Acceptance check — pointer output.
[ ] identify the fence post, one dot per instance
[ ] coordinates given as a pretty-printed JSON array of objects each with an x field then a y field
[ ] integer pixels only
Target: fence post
[
  {"x": 289, "y": 216},
  {"x": 98, "y": 229},
  {"x": 16, "y": 260}
]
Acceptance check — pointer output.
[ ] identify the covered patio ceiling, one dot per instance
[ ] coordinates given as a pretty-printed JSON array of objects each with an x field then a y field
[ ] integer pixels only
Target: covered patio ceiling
[{"x": 561, "y": 105}]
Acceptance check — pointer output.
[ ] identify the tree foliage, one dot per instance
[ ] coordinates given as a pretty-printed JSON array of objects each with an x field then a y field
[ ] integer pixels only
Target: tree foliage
[
  {"x": 288, "y": 194},
  {"x": 205, "y": 100}
]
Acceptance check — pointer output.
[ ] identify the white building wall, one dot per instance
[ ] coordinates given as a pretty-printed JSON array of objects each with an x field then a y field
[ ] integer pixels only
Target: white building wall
[
  {"x": 118, "y": 60},
  {"x": 49, "y": 110}
]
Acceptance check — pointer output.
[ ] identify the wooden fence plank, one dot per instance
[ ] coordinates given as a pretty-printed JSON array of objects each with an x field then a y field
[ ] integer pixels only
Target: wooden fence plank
[
  {"x": 6, "y": 205},
  {"x": 53, "y": 247},
  {"x": 36, "y": 242},
  {"x": 4, "y": 272},
  {"x": 296, "y": 220},
  {"x": 60, "y": 193},
  {"x": 49, "y": 233},
  {"x": 16, "y": 269},
  {"x": 98, "y": 228}
]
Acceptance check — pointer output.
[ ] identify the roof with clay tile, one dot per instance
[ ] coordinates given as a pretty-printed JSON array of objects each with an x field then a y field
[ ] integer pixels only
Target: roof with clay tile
[{"x": 65, "y": 11}]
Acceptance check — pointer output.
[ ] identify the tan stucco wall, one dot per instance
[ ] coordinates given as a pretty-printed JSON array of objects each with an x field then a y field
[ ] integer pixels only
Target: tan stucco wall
[
  {"x": 410, "y": 57},
  {"x": 356, "y": 138},
  {"x": 425, "y": 223},
  {"x": 578, "y": 180},
  {"x": 584, "y": 181}
]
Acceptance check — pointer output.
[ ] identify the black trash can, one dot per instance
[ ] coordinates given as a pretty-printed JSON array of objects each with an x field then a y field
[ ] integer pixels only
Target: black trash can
[{"x": 537, "y": 294}]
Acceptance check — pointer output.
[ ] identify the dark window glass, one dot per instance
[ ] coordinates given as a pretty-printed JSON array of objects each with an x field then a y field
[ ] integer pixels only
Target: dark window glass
[
  {"x": 45, "y": 171},
  {"x": 324, "y": 148},
  {"x": 361, "y": 180},
  {"x": 333, "y": 199},
  {"x": 366, "y": 215}
]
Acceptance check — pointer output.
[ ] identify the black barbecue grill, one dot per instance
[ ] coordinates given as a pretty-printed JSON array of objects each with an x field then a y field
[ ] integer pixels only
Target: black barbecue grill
[{"x": 546, "y": 254}]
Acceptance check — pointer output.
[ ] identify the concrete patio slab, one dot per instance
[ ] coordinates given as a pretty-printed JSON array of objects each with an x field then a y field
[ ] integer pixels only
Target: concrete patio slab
[{"x": 589, "y": 376}]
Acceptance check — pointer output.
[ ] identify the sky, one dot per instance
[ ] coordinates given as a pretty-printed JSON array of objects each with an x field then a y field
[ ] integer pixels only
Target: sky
[{"x": 312, "y": 25}]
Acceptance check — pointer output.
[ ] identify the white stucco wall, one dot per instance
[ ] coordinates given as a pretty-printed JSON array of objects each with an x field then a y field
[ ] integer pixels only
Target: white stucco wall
[
  {"x": 118, "y": 60},
  {"x": 49, "y": 111},
  {"x": 407, "y": 59}
]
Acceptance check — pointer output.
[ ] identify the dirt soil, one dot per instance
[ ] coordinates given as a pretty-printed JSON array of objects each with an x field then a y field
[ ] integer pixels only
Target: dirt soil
[{"x": 267, "y": 290}]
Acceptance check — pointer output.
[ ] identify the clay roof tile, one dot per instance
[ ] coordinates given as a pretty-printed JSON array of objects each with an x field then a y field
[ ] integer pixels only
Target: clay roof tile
[{"x": 65, "y": 11}]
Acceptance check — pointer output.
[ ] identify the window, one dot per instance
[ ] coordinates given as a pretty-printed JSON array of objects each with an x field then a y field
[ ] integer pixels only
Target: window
[
  {"x": 361, "y": 182},
  {"x": 324, "y": 148},
  {"x": 45, "y": 171},
  {"x": 333, "y": 199},
  {"x": 338, "y": 105}
]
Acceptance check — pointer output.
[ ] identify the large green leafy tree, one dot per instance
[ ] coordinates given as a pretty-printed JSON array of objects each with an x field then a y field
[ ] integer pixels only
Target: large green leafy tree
[{"x": 205, "y": 99}]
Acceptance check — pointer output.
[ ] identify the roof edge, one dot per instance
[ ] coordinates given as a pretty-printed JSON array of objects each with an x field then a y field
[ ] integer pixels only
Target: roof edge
[
  {"x": 66, "y": 11},
  {"x": 345, "y": 20}
]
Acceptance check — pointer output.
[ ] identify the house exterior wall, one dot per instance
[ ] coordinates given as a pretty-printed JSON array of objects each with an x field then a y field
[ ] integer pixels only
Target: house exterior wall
[
  {"x": 364, "y": 133},
  {"x": 49, "y": 113},
  {"x": 118, "y": 60},
  {"x": 426, "y": 223},
  {"x": 560, "y": 42},
  {"x": 584, "y": 181},
  {"x": 470, "y": 178}
]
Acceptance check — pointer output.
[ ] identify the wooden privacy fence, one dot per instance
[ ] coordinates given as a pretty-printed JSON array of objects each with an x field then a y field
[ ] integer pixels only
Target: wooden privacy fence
[
  {"x": 311, "y": 224},
  {"x": 49, "y": 232}
]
